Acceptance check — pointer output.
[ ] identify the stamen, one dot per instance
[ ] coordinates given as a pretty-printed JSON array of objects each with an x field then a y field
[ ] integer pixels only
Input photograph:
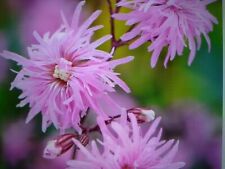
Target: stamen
[{"x": 62, "y": 70}]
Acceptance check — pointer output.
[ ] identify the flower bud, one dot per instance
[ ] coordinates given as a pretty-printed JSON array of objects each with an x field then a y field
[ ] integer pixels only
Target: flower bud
[
  {"x": 52, "y": 151},
  {"x": 84, "y": 139},
  {"x": 142, "y": 115},
  {"x": 58, "y": 146}
]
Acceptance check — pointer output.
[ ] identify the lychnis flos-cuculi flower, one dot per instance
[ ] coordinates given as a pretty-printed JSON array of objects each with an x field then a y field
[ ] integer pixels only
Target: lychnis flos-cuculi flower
[
  {"x": 125, "y": 146},
  {"x": 65, "y": 74},
  {"x": 167, "y": 24}
]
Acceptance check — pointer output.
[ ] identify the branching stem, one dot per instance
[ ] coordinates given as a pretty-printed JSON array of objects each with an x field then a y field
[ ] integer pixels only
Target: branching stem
[{"x": 114, "y": 42}]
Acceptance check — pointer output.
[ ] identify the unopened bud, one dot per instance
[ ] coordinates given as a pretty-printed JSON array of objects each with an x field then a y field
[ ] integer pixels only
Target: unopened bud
[
  {"x": 52, "y": 151},
  {"x": 58, "y": 146},
  {"x": 142, "y": 115}
]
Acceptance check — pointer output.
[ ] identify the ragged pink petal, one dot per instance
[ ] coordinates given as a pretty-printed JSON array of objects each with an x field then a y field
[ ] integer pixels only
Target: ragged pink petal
[{"x": 167, "y": 23}]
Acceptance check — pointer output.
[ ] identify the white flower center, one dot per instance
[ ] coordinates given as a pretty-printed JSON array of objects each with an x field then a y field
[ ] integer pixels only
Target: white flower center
[{"x": 63, "y": 70}]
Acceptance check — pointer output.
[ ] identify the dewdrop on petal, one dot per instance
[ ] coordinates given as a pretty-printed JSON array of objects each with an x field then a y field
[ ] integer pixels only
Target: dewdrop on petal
[{"x": 142, "y": 115}]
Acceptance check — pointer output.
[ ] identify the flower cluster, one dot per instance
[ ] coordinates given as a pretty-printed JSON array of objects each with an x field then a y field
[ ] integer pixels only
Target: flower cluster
[
  {"x": 65, "y": 75},
  {"x": 167, "y": 23}
]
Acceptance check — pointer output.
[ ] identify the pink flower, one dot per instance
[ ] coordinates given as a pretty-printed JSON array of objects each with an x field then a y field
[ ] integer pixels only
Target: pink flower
[
  {"x": 65, "y": 74},
  {"x": 16, "y": 141},
  {"x": 125, "y": 147},
  {"x": 168, "y": 23}
]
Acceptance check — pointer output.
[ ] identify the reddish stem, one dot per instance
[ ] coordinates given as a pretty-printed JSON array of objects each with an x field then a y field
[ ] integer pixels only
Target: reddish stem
[
  {"x": 117, "y": 7},
  {"x": 96, "y": 128},
  {"x": 112, "y": 24},
  {"x": 74, "y": 154},
  {"x": 115, "y": 43}
]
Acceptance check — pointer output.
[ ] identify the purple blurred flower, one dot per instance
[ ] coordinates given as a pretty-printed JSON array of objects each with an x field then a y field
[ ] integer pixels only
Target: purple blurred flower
[
  {"x": 16, "y": 141},
  {"x": 3, "y": 62},
  {"x": 65, "y": 74},
  {"x": 59, "y": 163},
  {"x": 20, "y": 6},
  {"x": 195, "y": 126},
  {"x": 43, "y": 16},
  {"x": 167, "y": 23},
  {"x": 214, "y": 152},
  {"x": 124, "y": 146}
]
